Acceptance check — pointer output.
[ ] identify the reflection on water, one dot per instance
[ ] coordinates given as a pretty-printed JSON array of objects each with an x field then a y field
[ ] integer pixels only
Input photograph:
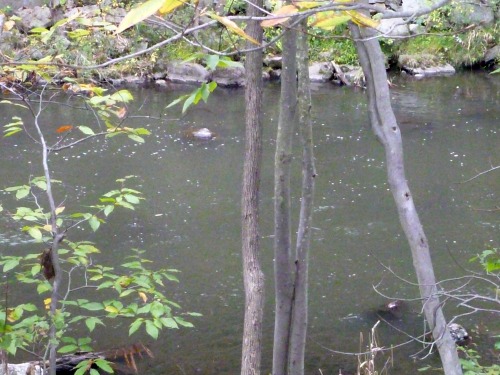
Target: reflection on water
[{"x": 190, "y": 220}]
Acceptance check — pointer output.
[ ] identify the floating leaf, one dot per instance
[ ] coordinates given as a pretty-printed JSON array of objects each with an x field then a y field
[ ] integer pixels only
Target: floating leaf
[
  {"x": 287, "y": 10},
  {"x": 230, "y": 25},
  {"x": 64, "y": 128},
  {"x": 140, "y": 13}
]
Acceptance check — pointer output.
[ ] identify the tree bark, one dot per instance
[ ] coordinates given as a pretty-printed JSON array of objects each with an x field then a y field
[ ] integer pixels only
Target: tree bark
[
  {"x": 253, "y": 277},
  {"x": 385, "y": 127},
  {"x": 300, "y": 303},
  {"x": 283, "y": 260}
]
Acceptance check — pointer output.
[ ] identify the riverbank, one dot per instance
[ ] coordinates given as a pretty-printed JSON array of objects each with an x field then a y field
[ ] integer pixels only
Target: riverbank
[{"x": 81, "y": 36}]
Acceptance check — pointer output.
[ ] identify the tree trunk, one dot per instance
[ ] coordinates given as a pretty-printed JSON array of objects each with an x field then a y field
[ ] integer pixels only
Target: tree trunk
[
  {"x": 253, "y": 277},
  {"x": 283, "y": 260},
  {"x": 300, "y": 303},
  {"x": 385, "y": 126}
]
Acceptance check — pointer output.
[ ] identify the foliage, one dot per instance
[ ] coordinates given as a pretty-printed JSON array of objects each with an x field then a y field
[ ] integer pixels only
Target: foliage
[
  {"x": 489, "y": 259},
  {"x": 470, "y": 364}
]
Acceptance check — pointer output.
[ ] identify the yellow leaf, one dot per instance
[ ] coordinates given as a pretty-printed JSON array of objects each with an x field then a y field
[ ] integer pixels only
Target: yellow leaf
[
  {"x": 59, "y": 210},
  {"x": 140, "y": 13},
  {"x": 111, "y": 309},
  {"x": 169, "y": 6},
  {"x": 47, "y": 228},
  {"x": 143, "y": 296},
  {"x": 329, "y": 20},
  {"x": 230, "y": 25},
  {"x": 8, "y": 25},
  {"x": 47, "y": 302},
  {"x": 287, "y": 10},
  {"x": 309, "y": 4},
  {"x": 361, "y": 19}
]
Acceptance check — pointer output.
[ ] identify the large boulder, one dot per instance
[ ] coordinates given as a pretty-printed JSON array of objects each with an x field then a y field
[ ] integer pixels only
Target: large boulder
[
  {"x": 187, "y": 73},
  {"x": 34, "y": 17},
  {"x": 320, "y": 72},
  {"x": 233, "y": 76},
  {"x": 472, "y": 12}
]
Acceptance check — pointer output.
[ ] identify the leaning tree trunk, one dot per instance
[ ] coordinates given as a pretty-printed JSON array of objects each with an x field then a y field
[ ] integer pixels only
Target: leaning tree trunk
[
  {"x": 253, "y": 278},
  {"x": 283, "y": 259},
  {"x": 385, "y": 126},
  {"x": 300, "y": 303}
]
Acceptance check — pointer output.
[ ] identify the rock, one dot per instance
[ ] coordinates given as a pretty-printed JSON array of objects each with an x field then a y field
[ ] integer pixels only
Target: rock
[
  {"x": 34, "y": 17},
  {"x": 394, "y": 27},
  {"x": 187, "y": 73},
  {"x": 392, "y": 310},
  {"x": 492, "y": 55},
  {"x": 459, "y": 334},
  {"x": 433, "y": 71},
  {"x": 354, "y": 75},
  {"x": 230, "y": 76},
  {"x": 274, "y": 74},
  {"x": 273, "y": 62},
  {"x": 472, "y": 12},
  {"x": 161, "y": 83},
  {"x": 202, "y": 134},
  {"x": 320, "y": 72}
]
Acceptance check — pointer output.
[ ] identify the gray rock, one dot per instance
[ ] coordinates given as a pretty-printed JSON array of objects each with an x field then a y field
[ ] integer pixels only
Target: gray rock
[
  {"x": 22, "y": 369},
  {"x": 394, "y": 27},
  {"x": 354, "y": 75},
  {"x": 34, "y": 17},
  {"x": 187, "y": 73},
  {"x": 161, "y": 83},
  {"x": 492, "y": 55},
  {"x": 432, "y": 71},
  {"x": 273, "y": 62},
  {"x": 472, "y": 12},
  {"x": 320, "y": 72},
  {"x": 230, "y": 76}
]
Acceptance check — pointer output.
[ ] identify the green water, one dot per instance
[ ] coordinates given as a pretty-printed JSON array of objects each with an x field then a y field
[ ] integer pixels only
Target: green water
[{"x": 190, "y": 220}]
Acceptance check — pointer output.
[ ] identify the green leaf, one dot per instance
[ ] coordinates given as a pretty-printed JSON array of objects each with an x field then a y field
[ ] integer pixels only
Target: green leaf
[
  {"x": 136, "y": 138},
  {"x": 91, "y": 322},
  {"x": 94, "y": 223},
  {"x": 151, "y": 329},
  {"x": 93, "y": 371},
  {"x": 212, "y": 61},
  {"x": 139, "y": 14},
  {"x": 135, "y": 326},
  {"x": 68, "y": 348},
  {"x": 169, "y": 323},
  {"x": 10, "y": 264},
  {"x": 108, "y": 209},
  {"x": 132, "y": 199},
  {"x": 189, "y": 101},
  {"x": 104, "y": 365},
  {"x": 35, "y": 233},
  {"x": 86, "y": 130},
  {"x": 183, "y": 323},
  {"x": 93, "y": 306},
  {"x": 123, "y": 96},
  {"x": 23, "y": 192}
]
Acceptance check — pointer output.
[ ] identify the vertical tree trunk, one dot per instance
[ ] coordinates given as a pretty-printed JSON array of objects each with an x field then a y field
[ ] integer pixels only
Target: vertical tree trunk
[
  {"x": 253, "y": 277},
  {"x": 386, "y": 128},
  {"x": 283, "y": 260},
  {"x": 300, "y": 303}
]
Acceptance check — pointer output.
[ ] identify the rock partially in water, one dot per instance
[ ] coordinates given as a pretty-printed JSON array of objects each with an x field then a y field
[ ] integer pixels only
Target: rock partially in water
[
  {"x": 424, "y": 65},
  {"x": 199, "y": 134},
  {"x": 459, "y": 334},
  {"x": 392, "y": 310}
]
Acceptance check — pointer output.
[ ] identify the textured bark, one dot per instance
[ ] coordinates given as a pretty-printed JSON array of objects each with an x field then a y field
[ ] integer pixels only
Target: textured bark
[
  {"x": 283, "y": 259},
  {"x": 300, "y": 302},
  {"x": 385, "y": 126},
  {"x": 253, "y": 278}
]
